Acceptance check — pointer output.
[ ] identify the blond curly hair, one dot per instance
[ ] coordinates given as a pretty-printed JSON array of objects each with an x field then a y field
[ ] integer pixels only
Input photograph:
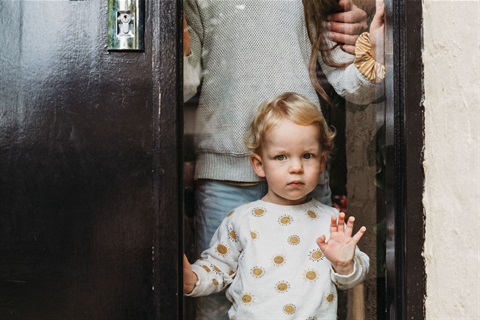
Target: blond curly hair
[{"x": 296, "y": 108}]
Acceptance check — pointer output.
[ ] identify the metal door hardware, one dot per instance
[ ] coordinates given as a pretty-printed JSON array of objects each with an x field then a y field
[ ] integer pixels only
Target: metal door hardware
[{"x": 125, "y": 25}]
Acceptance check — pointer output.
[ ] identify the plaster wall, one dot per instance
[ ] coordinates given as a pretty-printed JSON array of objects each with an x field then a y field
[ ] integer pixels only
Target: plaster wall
[{"x": 452, "y": 158}]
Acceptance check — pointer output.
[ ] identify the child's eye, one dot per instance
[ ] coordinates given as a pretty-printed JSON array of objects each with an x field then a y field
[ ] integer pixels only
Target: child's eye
[
  {"x": 280, "y": 157},
  {"x": 307, "y": 155}
]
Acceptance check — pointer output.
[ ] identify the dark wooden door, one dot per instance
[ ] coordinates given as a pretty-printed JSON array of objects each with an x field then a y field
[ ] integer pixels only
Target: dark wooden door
[{"x": 89, "y": 188}]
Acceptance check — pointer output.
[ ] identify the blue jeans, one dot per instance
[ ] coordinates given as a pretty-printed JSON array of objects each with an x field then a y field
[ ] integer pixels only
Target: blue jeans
[{"x": 213, "y": 201}]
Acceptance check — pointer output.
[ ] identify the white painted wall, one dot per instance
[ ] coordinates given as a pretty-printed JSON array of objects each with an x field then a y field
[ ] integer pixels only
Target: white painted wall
[{"x": 452, "y": 158}]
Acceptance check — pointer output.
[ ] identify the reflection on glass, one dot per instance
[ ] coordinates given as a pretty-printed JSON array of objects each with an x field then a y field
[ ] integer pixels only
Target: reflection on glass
[{"x": 243, "y": 52}]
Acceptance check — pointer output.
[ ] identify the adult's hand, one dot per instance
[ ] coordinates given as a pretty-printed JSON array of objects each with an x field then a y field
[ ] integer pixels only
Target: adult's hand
[
  {"x": 186, "y": 38},
  {"x": 377, "y": 32},
  {"x": 345, "y": 27}
]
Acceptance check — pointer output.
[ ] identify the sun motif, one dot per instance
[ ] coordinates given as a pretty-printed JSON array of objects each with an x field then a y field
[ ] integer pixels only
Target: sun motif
[
  {"x": 217, "y": 269},
  {"x": 311, "y": 275},
  {"x": 222, "y": 249},
  {"x": 254, "y": 234},
  {"x": 232, "y": 234},
  {"x": 282, "y": 286},
  {"x": 293, "y": 240},
  {"x": 257, "y": 272},
  {"x": 285, "y": 220},
  {"x": 289, "y": 308},
  {"x": 316, "y": 255},
  {"x": 215, "y": 282},
  {"x": 312, "y": 214},
  {"x": 279, "y": 260},
  {"x": 258, "y": 212},
  {"x": 231, "y": 273},
  {"x": 206, "y": 268},
  {"x": 359, "y": 260},
  {"x": 330, "y": 298},
  {"x": 247, "y": 298},
  {"x": 230, "y": 213}
]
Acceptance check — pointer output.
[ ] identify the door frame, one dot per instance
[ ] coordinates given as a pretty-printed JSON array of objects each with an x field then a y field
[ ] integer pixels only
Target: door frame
[{"x": 405, "y": 175}]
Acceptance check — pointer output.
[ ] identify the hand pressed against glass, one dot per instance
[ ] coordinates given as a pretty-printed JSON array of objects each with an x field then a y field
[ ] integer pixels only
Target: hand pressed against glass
[{"x": 340, "y": 247}]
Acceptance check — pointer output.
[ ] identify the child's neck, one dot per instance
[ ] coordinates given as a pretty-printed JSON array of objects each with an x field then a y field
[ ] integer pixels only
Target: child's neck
[{"x": 285, "y": 202}]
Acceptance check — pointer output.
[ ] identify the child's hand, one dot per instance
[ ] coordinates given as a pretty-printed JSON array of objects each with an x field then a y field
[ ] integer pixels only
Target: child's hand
[
  {"x": 377, "y": 32},
  {"x": 345, "y": 27},
  {"x": 189, "y": 277},
  {"x": 340, "y": 248}
]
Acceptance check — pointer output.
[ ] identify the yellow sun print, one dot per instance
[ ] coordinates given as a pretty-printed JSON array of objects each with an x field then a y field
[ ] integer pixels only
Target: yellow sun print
[
  {"x": 316, "y": 255},
  {"x": 247, "y": 298},
  {"x": 330, "y": 298},
  {"x": 222, "y": 249},
  {"x": 289, "y": 308},
  {"x": 282, "y": 286},
  {"x": 285, "y": 220},
  {"x": 312, "y": 214},
  {"x": 278, "y": 260},
  {"x": 217, "y": 269},
  {"x": 311, "y": 275},
  {"x": 232, "y": 234},
  {"x": 258, "y": 212},
  {"x": 257, "y": 272},
  {"x": 293, "y": 240}
]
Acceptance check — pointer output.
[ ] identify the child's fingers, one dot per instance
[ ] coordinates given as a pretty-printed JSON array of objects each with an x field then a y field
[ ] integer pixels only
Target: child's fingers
[
  {"x": 321, "y": 241},
  {"x": 359, "y": 234},
  {"x": 349, "y": 227},
  {"x": 341, "y": 221},
  {"x": 333, "y": 225}
]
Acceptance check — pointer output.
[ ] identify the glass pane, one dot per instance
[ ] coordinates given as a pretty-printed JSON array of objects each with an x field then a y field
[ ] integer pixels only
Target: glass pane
[{"x": 229, "y": 39}]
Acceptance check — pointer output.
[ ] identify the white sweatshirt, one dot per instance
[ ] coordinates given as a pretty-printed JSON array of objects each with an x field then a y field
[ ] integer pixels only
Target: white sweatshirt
[{"x": 269, "y": 256}]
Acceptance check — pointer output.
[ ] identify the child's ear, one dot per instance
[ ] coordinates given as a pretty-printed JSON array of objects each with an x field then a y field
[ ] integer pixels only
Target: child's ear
[
  {"x": 257, "y": 165},
  {"x": 323, "y": 162}
]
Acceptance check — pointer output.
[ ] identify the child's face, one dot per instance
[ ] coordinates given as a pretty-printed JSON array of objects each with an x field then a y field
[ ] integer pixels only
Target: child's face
[{"x": 291, "y": 161}]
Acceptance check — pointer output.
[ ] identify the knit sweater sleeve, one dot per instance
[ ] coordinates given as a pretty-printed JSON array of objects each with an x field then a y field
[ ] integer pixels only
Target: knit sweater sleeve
[
  {"x": 348, "y": 81},
  {"x": 192, "y": 64}
]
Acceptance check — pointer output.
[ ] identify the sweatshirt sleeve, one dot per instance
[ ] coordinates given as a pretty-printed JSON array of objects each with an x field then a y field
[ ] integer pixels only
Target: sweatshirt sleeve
[
  {"x": 217, "y": 266},
  {"x": 348, "y": 81},
  {"x": 361, "y": 264}
]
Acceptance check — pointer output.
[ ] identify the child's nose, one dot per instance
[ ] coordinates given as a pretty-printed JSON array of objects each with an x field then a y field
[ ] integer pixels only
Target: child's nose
[{"x": 296, "y": 166}]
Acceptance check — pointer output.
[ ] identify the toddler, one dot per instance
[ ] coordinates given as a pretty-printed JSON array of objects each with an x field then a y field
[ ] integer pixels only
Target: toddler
[{"x": 285, "y": 254}]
